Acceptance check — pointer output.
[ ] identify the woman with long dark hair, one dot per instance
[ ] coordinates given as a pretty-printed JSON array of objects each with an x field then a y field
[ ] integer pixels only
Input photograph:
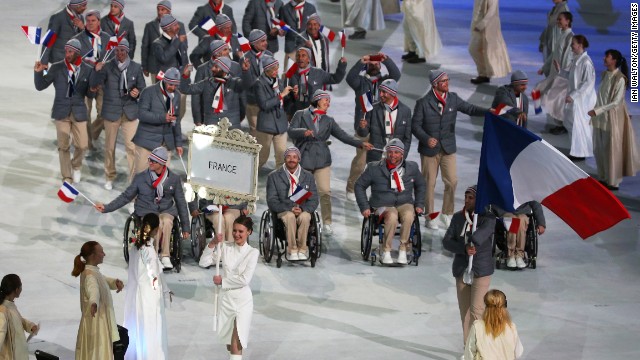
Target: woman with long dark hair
[
  {"x": 13, "y": 343},
  {"x": 144, "y": 306},
  {"x": 98, "y": 329},
  {"x": 494, "y": 337},
  {"x": 614, "y": 141},
  {"x": 239, "y": 261}
]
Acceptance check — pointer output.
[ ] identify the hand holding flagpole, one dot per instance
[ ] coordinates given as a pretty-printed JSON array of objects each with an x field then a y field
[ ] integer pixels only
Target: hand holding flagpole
[{"x": 467, "y": 278}]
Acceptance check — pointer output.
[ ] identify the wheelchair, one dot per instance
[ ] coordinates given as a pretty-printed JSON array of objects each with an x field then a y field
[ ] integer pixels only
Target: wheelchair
[
  {"x": 131, "y": 233},
  {"x": 501, "y": 252},
  {"x": 201, "y": 230},
  {"x": 273, "y": 240},
  {"x": 374, "y": 225}
]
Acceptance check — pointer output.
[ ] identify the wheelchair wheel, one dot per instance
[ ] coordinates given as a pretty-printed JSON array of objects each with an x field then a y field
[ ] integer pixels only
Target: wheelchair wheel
[
  {"x": 366, "y": 236},
  {"x": 319, "y": 232},
  {"x": 265, "y": 236},
  {"x": 531, "y": 245},
  {"x": 129, "y": 236},
  {"x": 198, "y": 236},
  {"x": 176, "y": 246},
  {"x": 314, "y": 240},
  {"x": 416, "y": 241}
]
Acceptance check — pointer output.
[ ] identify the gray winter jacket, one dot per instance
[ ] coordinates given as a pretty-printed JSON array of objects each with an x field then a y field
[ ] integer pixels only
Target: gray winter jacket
[
  {"x": 207, "y": 89},
  {"x": 257, "y": 16},
  {"x": 62, "y": 25},
  {"x": 153, "y": 129},
  {"x": 271, "y": 118},
  {"x": 314, "y": 149},
  {"x": 166, "y": 53},
  {"x": 506, "y": 95},
  {"x": 206, "y": 10},
  {"x": 530, "y": 207},
  {"x": 58, "y": 75},
  {"x": 141, "y": 189},
  {"x": 126, "y": 25},
  {"x": 255, "y": 70},
  {"x": 204, "y": 72},
  {"x": 116, "y": 101},
  {"x": 288, "y": 15},
  {"x": 377, "y": 176},
  {"x": 482, "y": 240},
  {"x": 317, "y": 79},
  {"x": 376, "y": 129},
  {"x": 361, "y": 84},
  {"x": 278, "y": 191},
  {"x": 151, "y": 33}
]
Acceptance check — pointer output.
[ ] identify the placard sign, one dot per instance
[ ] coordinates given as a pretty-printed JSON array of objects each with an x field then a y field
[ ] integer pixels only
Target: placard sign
[{"x": 223, "y": 164}]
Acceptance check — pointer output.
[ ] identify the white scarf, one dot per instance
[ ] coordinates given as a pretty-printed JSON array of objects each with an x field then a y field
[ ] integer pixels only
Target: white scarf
[
  {"x": 396, "y": 177},
  {"x": 299, "y": 9},
  {"x": 123, "y": 83},
  {"x": 293, "y": 178},
  {"x": 96, "y": 44},
  {"x": 468, "y": 225}
]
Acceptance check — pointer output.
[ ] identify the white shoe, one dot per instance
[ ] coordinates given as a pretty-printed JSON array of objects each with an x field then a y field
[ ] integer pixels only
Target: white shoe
[
  {"x": 326, "y": 229},
  {"x": 520, "y": 263},
  {"x": 206, "y": 259},
  {"x": 351, "y": 196},
  {"x": 77, "y": 175},
  {"x": 386, "y": 258},
  {"x": 108, "y": 185},
  {"x": 511, "y": 263},
  {"x": 302, "y": 256},
  {"x": 166, "y": 262},
  {"x": 402, "y": 257},
  {"x": 446, "y": 220},
  {"x": 294, "y": 256},
  {"x": 432, "y": 224},
  {"x": 235, "y": 357}
]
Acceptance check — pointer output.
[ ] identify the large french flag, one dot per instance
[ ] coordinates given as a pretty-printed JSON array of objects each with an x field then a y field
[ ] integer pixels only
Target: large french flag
[{"x": 517, "y": 166}]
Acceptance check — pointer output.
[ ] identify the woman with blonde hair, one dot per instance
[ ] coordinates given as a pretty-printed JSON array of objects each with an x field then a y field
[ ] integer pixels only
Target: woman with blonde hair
[
  {"x": 495, "y": 336},
  {"x": 98, "y": 329}
]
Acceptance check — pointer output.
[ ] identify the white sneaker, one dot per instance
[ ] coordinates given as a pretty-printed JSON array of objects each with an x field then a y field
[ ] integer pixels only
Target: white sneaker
[
  {"x": 351, "y": 196},
  {"x": 432, "y": 224},
  {"x": 446, "y": 220},
  {"x": 326, "y": 229},
  {"x": 294, "y": 256},
  {"x": 302, "y": 256},
  {"x": 206, "y": 259},
  {"x": 402, "y": 257},
  {"x": 77, "y": 175},
  {"x": 386, "y": 258},
  {"x": 166, "y": 262},
  {"x": 108, "y": 185},
  {"x": 511, "y": 263},
  {"x": 520, "y": 263}
]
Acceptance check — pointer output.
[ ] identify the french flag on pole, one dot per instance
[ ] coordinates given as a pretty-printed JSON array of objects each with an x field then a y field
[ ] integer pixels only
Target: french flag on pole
[
  {"x": 207, "y": 23},
  {"x": 67, "y": 192},
  {"x": 343, "y": 39},
  {"x": 502, "y": 109},
  {"x": 33, "y": 34},
  {"x": 292, "y": 71},
  {"x": 245, "y": 46},
  {"x": 49, "y": 38},
  {"x": 365, "y": 102},
  {"x": 300, "y": 195},
  {"x": 511, "y": 224},
  {"x": 537, "y": 104},
  {"x": 328, "y": 33},
  {"x": 433, "y": 215},
  {"x": 517, "y": 166},
  {"x": 280, "y": 24}
]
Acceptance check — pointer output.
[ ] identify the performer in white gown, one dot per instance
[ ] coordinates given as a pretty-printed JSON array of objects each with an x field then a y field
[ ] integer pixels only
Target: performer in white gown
[
  {"x": 13, "y": 342},
  {"x": 487, "y": 46},
  {"x": 144, "y": 307},
  {"x": 421, "y": 38},
  {"x": 239, "y": 261},
  {"x": 364, "y": 15},
  {"x": 551, "y": 31},
  {"x": 581, "y": 97}
]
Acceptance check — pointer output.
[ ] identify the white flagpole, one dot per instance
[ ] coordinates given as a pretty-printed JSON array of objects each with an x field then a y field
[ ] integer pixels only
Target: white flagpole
[
  {"x": 467, "y": 278},
  {"x": 42, "y": 54},
  {"x": 89, "y": 200},
  {"x": 184, "y": 167},
  {"x": 218, "y": 250}
]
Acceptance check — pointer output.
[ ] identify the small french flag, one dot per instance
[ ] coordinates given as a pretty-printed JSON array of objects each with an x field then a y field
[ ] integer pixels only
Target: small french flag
[
  {"x": 33, "y": 34},
  {"x": 160, "y": 75},
  {"x": 511, "y": 224},
  {"x": 280, "y": 24},
  {"x": 49, "y": 38},
  {"x": 300, "y": 195},
  {"x": 292, "y": 70},
  {"x": 114, "y": 41},
  {"x": 343, "y": 38},
  {"x": 328, "y": 33},
  {"x": 433, "y": 215},
  {"x": 502, "y": 109},
  {"x": 214, "y": 209},
  {"x": 207, "y": 23},
  {"x": 213, "y": 31},
  {"x": 365, "y": 102},
  {"x": 537, "y": 104},
  {"x": 245, "y": 46},
  {"x": 67, "y": 192}
]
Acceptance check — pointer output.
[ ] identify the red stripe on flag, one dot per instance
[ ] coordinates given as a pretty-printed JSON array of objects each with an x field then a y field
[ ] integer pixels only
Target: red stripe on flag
[
  {"x": 515, "y": 225},
  {"x": 292, "y": 71},
  {"x": 434, "y": 215},
  {"x": 587, "y": 207}
]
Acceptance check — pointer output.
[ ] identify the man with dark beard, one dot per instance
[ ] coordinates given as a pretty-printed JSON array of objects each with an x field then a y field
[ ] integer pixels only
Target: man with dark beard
[
  {"x": 116, "y": 24},
  {"x": 66, "y": 23}
]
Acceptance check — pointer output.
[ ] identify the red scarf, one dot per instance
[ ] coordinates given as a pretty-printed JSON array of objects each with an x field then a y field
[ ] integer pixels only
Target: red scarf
[
  {"x": 395, "y": 176},
  {"x": 441, "y": 99},
  {"x": 303, "y": 78},
  {"x": 116, "y": 22},
  {"x": 218, "y": 96},
  {"x": 299, "y": 8},
  {"x": 216, "y": 8},
  {"x": 170, "y": 111},
  {"x": 317, "y": 114}
]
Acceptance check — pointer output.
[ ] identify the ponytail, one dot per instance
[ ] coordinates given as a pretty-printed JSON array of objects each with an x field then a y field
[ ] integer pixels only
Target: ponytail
[
  {"x": 621, "y": 63},
  {"x": 86, "y": 250},
  {"x": 9, "y": 284}
]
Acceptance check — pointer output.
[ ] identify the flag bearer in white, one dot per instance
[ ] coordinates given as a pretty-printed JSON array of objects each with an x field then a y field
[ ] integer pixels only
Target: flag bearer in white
[
  {"x": 399, "y": 188},
  {"x": 282, "y": 184}
]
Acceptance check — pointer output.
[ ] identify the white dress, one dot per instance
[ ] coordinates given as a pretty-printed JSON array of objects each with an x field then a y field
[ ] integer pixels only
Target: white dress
[
  {"x": 236, "y": 299},
  {"x": 365, "y": 14},
  {"x": 420, "y": 23},
  {"x": 144, "y": 308},
  {"x": 13, "y": 343},
  {"x": 582, "y": 89},
  {"x": 487, "y": 46}
]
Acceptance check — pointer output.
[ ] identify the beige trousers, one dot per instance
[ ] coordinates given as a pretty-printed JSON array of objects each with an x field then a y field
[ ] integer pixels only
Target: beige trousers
[
  {"x": 228, "y": 217},
  {"x": 430, "y": 167},
  {"x": 516, "y": 242},
  {"x": 357, "y": 165},
  {"x": 406, "y": 214},
  {"x": 471, "y": 301},
  {"x": 94, "y": 128},
  {"x": 68, "y": 131},
  {"x": 164, "y": 236},
  {"x": 323, "y": 184},
  {"x": 111, "y": 135},
  {"x": 279, "y": 146},
  {"x": 142, "y": 159},
  {"x": 251, "y": 113},
  {"x": 296, "y": 229}
]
